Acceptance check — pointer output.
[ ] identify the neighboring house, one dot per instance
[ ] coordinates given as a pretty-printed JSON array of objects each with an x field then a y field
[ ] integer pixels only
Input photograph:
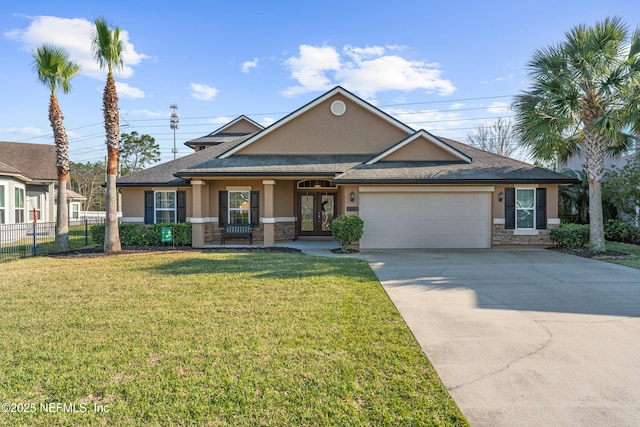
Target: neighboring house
[
  {"x": 28, "y": 179},
  {"x": 341, "y": 155},
  {"x": 576, "y": 162}
]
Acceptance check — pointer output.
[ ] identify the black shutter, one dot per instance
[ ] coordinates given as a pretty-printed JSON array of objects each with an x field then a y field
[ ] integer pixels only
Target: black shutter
[
  {"x": 255, "y": 208},
  {"x": 509, "y": 208},
  {"x": 541, "y": 208},
  {"x": 181, "y": 204},
  {"x": 223, "y": 205},
  {"x": 148, "y": 207}
]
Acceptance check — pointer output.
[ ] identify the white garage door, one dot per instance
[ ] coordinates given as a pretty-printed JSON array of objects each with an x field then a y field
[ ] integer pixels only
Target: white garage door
[{"x": 426, "y": 220}]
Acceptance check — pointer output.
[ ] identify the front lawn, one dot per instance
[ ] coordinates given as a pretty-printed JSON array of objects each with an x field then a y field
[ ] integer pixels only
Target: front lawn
[
  {"x": 197, "y": 338},
  {"x": 627, "y": 249}
]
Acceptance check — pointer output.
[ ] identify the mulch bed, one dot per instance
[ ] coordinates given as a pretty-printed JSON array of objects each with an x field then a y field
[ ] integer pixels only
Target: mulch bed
[
  {"x": 588, "y": 253},
  {"x": 92, "y": 252}
]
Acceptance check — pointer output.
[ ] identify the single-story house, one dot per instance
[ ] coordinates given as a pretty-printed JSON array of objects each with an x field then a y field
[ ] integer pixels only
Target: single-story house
[
  {"x": 28, "y": 181},
  {"x": 340, "y": 155}
]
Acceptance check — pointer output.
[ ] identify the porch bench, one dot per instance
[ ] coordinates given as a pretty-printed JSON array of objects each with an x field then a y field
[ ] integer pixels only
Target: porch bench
[{"x": 236, "y": 230}]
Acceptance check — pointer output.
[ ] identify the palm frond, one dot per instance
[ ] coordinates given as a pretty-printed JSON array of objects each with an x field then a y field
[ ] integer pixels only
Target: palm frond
[
  {"x": 106, "y": 46},
  {"x": 54, "y": 67}
]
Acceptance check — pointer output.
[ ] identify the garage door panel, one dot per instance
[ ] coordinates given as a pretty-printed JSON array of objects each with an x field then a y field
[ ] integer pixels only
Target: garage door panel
[{"x": 426, "y": 220}]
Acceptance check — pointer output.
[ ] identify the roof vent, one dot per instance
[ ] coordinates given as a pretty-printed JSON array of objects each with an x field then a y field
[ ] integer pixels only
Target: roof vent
[{"x": 338, "y": 108}]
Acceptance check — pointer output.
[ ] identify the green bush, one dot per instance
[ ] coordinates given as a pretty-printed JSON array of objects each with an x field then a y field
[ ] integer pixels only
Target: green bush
[
  {"x": 347, "y": 229},
  {"x": 145, "y": 234},
  {"x": 619, "y": 231},
  {"x": 570, "y": 235}
]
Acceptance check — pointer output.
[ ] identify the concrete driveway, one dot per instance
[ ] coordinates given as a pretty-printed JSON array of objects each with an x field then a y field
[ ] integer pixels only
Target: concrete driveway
[{"x": 523, "y": 337}]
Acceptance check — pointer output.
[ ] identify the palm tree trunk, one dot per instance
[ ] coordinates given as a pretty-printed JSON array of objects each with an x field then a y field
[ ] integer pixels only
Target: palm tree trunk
[
  {"x": 595, "y": 151},
  {"x": 112, "y": 129},
  {"x": 62, "y": 166}
]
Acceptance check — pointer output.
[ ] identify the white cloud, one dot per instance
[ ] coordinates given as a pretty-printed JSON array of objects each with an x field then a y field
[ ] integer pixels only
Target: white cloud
[
  {"x": 248, "y": 65},
  {"x": 457, "y": 106},
  {"x": 73, "y": 34},
  {"x": 310, "y": 67},
  {"x": 203, "y": 92},
  {"x": 127, "y": 91},
  {"x": 26, "y": 131},
  {"x": 498, "y": 107},
  {"x": 366, "y": 70},
  {"x": 220, "y": 120}
]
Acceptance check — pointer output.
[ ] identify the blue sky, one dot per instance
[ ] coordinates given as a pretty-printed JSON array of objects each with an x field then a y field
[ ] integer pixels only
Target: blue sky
[{"x": 441, "y": 66}]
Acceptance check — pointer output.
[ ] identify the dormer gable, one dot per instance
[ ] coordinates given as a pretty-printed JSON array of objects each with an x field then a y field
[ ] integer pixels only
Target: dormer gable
[
  {"x": 240, "y": 127},
  {"x": 421, "y": 147}
]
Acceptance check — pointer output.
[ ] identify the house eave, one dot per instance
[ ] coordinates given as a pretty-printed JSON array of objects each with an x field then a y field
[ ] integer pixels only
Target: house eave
[
  {"x": 452, "y": 181},
  {"x": 189, "y": 175},
  {"x": 153, "y": 184}
]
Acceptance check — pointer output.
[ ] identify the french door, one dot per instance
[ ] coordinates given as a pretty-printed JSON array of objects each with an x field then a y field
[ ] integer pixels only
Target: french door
[{"x": 316, "y": 210}]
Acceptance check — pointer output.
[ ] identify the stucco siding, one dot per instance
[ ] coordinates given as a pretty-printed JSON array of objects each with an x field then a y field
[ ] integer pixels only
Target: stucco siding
[{"x": 357, "y": 131}]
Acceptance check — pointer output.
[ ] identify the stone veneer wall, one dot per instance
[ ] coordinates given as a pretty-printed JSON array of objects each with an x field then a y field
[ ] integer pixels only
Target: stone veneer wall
[
  {"x": 501, "y": 236},
  {"x": 285, "y": 231}
]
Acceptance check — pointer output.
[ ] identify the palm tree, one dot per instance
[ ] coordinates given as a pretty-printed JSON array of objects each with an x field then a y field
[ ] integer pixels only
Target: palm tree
[
  {"x": 584, "y": 99},
  {"x": 107, "y": 50},
  {"x": 55, "y": 70}
]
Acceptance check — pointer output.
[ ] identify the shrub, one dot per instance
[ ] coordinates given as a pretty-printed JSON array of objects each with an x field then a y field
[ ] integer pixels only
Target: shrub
[
  {"x": 570, "y": 235},
  {"x": 145, "y": 234},
  {"x": 619, "y": 231},
  {"x": 347, "y": 229}
]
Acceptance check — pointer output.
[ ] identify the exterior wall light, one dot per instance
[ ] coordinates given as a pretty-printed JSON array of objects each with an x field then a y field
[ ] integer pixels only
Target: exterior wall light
[
  {"x": 352, "y": 196},
  {"x": 501, "y": 196}
]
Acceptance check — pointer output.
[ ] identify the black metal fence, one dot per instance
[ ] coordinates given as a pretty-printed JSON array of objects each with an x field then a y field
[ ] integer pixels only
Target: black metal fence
[{"x": 34, "y": 239}]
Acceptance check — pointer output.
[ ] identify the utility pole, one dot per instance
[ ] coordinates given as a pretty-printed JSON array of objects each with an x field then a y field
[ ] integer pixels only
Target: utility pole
[{"x": 174, "y": 125}]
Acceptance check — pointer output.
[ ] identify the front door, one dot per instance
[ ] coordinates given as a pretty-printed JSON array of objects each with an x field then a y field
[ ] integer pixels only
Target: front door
[{"x": 316, "y": 211}]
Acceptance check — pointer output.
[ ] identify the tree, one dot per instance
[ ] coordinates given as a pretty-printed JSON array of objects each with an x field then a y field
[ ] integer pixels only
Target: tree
[
  {"x": 622, "y": 187},
  {"x": 88, "y": 180},
  {"x": 584, "y": 99},
  {"x": 55, "y": 71},
  {"x": 137, "y": 151},
  {"x": 498, "y": 137},
  {"x": 107, "y": 50},
  {"x": 573, "y": 199}
]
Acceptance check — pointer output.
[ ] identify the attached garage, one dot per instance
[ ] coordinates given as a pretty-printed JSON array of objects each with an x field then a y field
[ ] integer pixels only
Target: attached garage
[{"x": 426, "y": 218}]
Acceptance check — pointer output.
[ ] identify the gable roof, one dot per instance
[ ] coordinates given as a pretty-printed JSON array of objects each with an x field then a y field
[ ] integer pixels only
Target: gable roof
[
  {"x": 486, "y": 168},
  {"x": 36, "y": 162},
  {"x": 227, "y": 133},
  {"x": 450, "y": 162},
  {"x": 422, "y": 134},
  {"x": 337, "y": 90},
  {"x": 164, "y": 174}
]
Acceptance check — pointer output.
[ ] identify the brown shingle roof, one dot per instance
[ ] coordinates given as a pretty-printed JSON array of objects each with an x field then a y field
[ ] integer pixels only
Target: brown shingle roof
[{"x": 34, "y": 161}]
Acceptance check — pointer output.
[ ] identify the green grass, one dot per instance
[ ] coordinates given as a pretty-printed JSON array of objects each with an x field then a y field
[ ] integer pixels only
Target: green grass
[
  {"x": 628, "y": 249},
  {"x": 197, "y": 338}
]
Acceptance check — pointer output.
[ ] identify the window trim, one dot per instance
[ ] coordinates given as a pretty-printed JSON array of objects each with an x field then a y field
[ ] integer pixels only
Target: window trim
[
  {"x": 532, "y": 209},
  {"x": 156, "y": 209},
  {"x": 72, "y": 210},
  {"x": 3, "y": 204},
  {"x": 38, "y": 197},
  {"x": 240, "y": 209},
  {"x": 19, "y": 209}
]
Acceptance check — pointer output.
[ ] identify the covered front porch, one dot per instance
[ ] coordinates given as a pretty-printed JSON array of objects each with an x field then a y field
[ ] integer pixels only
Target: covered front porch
[{"x": 280, "y": 210}]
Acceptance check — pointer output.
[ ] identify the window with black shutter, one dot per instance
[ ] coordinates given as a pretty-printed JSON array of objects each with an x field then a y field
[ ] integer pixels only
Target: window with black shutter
[
  {"x": 181, "y": 206},
  {"x": 223, "y": 205},
  {"x": 255, "y": 208},
  {"x": 509, "y": 208},
  {"x": 148, "y": 207}
]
